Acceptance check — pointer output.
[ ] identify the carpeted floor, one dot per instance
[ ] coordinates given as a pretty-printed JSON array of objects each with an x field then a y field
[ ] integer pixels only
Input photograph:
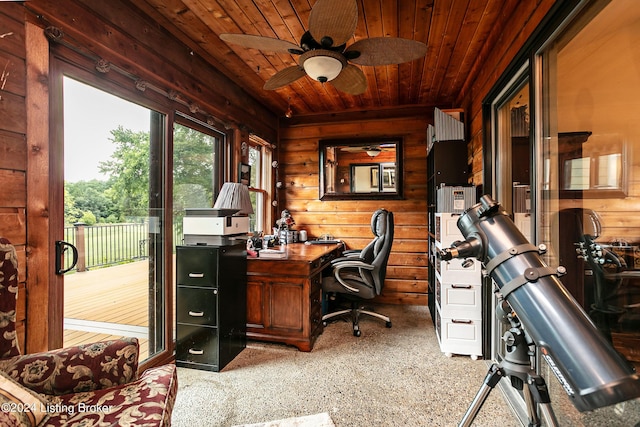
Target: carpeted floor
[{"x": 387, "y": 377}]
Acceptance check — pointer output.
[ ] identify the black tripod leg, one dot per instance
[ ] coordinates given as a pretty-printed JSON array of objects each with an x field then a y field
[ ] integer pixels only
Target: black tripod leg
[
  {"x": 540, "y": 395},
  {"x": 494, "y": 376}
]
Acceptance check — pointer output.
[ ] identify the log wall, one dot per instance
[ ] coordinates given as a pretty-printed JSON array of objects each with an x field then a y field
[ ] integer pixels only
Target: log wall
[
  {"x": 13, "y": 147},
  {"x": 350, "y": 220},
  {"x": 499, "y": 51}
]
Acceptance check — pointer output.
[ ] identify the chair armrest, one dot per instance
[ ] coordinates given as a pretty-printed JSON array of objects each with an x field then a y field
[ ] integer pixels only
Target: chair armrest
[
  {"x": 76, "y": 369},
  {"x": 342, "y": 259},
  {"x": 351, "y": 264},
  {"x": 351, "y": 253}
]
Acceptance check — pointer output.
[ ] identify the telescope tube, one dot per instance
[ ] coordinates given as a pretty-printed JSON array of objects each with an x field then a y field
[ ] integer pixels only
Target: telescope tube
[{"x": 591, "y": 371}]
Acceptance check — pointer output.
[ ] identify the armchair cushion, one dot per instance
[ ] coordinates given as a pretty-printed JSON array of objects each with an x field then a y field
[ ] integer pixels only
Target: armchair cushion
[
  {"x": 20, "y": 406},
  {"x": 147, "y": 401},
  {"x": 88, "y": 385},
  {"x": 76, "y": 369},
  {"x": 8, "y": 297}
]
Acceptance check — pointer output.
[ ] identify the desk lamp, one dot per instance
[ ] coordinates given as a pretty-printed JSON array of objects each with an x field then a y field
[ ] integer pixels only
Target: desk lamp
[{"x": 234, "y": 195}]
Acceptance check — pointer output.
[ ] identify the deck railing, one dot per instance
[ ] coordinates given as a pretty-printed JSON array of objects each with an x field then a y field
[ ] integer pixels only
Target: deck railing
[{"x": 109, "y": 244}]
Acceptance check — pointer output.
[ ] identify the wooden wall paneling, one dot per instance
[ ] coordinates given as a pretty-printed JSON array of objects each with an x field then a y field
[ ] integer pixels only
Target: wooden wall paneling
[
  {"x": 12, "y": 16},
  {"x": 508, "y": 37},
  {"x": 13, "y": 163},
  {"x": 193, "y": 28},
  {"x": 117, "y": 32},
  {"x": 40, "y": 329},
  {"x": 14, "y": 185},
  {"x": 13, "y": 224},
  {"x": 13, "y": 151},
  {"x": 12, "y": 112},
  {"x": 11, "y": 68},
  {"x": 349, "y": 220}
]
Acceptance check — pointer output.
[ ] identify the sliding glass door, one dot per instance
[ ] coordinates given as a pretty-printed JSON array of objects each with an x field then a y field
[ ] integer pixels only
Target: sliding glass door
[
  {"x": 574, "y": 103},
  {"x": 113, "y": 214}
]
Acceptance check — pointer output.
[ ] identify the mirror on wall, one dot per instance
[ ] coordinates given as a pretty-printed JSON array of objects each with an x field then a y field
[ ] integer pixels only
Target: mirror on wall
[{"x": 361, "y": 169}]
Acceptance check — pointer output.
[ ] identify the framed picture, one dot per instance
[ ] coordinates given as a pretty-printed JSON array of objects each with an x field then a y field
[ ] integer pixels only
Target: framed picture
[{"x": 245, "y": 174}]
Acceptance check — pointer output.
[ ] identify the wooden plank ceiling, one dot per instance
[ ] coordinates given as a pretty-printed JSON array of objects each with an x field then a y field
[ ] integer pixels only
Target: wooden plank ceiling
[{"x": 455, "y": 32}]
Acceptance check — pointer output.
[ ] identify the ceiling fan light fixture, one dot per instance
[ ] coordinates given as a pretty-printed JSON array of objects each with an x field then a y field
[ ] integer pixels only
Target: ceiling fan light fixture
[
  {"x": 322, "y": 65},
  {"x": 323, "y": 68},
  {"x": 372, "y": 152}
]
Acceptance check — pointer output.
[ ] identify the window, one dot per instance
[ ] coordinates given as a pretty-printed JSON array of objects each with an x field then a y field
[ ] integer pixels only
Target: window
[
  {"x": 592, "y": 166},
  {"x": 197, "y": 168},
  {"x": 583, "y": 139},
  {"x": 589, "y": 90},
  {"x": 260, "y": 183}
]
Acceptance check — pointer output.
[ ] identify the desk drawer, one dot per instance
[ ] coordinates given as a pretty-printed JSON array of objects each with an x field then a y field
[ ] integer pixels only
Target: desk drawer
[
  {"x": 197, "y": 344},
  {"x": 197, "y": 306}
]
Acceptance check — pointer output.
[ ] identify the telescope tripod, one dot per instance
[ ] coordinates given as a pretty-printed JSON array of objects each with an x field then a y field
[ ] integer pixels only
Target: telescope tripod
[{"x": 516, "y": 365}]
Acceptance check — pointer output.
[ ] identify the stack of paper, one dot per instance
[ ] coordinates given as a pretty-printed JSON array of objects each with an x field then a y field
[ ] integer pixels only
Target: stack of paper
[{"x": 271, "y": 253}]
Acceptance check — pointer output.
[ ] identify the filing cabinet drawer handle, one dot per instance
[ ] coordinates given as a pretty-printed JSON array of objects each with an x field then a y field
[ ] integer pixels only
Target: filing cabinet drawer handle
[
  {"x": 196, "y": 351},
  {"x": 196, "y": 275},
  {"x": 468, "y": 322},
  {"x": 461, "y": 286},
  {"x": 196, "y": 313}
]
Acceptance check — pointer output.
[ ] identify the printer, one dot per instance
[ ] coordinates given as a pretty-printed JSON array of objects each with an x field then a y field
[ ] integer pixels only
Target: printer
[{"x": 210, "y": 226}]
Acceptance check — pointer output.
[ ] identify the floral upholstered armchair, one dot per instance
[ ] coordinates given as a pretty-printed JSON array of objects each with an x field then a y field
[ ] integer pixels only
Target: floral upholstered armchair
[{"x": 88, "y": 385}]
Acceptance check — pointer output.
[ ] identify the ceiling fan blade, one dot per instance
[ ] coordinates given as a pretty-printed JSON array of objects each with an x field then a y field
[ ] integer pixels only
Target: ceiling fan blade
[
  {"x": 386, "y": 51},
  {"x": 284, "y": 77},
  {"x": 259, "y": 42},
  {"x": 336, "y": 19},
  {"x": 351, "y": 80}
]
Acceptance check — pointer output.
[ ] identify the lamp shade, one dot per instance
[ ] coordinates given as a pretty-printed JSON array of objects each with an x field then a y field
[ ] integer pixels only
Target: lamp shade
[
  {"x": 234, "y": 195},
  {"x": 322, "y": 68}
]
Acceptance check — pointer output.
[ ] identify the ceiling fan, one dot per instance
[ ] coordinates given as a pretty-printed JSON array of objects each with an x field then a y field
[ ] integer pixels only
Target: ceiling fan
[
  {"x": 324, "y": 55},
  {"x": 371, "y": 150}
]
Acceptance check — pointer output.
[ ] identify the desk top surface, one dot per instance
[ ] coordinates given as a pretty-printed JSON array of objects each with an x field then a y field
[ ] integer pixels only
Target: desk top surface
[{"x": 302, "y": 252}]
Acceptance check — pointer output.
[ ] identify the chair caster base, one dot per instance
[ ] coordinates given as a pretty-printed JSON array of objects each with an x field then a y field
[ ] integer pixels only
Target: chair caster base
[
  {"x": 356, "y": 332},
  {"x": 388, "y": 324}
]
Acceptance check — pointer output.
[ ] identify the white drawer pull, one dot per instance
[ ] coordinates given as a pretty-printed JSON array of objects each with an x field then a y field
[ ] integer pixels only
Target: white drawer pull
[
  {"x": 196, "y": 352},
  {"x": 196, "y": 313},
  {"x": 196, "y": 275}
]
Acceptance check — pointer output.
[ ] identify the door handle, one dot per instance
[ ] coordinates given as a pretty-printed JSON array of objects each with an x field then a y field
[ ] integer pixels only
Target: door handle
[{"x": 61, "y": 247}]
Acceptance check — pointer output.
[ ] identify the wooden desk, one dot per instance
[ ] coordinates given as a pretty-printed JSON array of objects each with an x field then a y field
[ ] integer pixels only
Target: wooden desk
[{"x": 284, "y": 296}]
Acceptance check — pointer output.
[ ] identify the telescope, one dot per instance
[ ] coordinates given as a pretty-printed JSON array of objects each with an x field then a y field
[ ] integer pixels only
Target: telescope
[{"x": 591, "y": 371}]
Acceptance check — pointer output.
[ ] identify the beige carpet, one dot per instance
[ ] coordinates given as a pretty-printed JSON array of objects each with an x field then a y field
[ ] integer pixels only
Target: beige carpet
[
  {"x": 387, "y": 377},
  {"x": 317, "y": 420}
]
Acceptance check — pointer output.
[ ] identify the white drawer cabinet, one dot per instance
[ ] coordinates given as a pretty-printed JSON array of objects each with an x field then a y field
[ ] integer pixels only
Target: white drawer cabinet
[
  {"x": 447, "y": 231},
  {"x": 458, "y": 295},
  {"x": 459, "y": 335}
]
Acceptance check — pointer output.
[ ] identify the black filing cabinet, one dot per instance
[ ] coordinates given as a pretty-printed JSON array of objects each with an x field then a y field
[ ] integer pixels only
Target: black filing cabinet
[{"x": 211, "y": 305}]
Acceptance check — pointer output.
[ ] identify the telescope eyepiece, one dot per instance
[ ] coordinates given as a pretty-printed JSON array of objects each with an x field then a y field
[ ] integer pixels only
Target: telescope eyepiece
[{"x": 470, "y": 248}]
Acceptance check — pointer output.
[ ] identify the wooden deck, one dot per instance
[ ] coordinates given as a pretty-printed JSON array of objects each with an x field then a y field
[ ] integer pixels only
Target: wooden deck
[{"x": 107, "y": 303}]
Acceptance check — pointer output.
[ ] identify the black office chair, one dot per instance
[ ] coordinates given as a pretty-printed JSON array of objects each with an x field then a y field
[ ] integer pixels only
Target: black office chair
[
  {"x": 583, "y": 227},
  {"x": 360, "y": 275}
]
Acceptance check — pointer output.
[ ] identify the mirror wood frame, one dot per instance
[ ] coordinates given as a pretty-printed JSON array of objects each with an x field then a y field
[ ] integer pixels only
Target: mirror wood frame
[{"x": 326, "y": 144}]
